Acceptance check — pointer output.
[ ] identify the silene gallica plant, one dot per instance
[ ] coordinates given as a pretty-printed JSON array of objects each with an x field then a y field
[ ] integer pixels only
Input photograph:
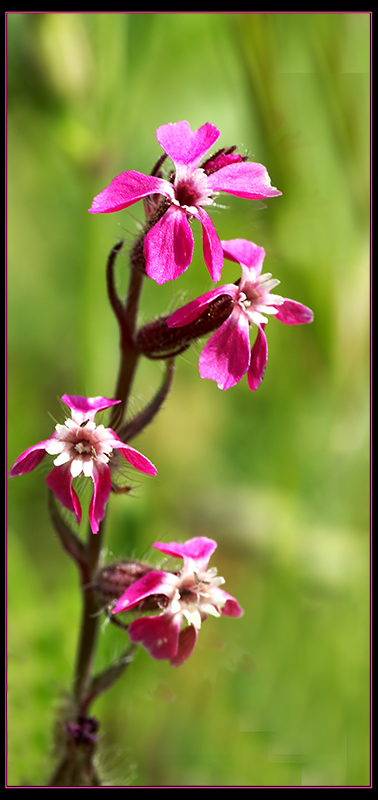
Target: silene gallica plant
[{"x": 160, "y": 610}]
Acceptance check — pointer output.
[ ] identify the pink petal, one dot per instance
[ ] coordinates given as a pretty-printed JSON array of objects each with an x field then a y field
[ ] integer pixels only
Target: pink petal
[
  {"x": 29, "y": 459},
  {"x": 244, "y": 179},
  {"x": 185, "y": 146},
  {"x": 168, "y": 247},
  {"x": 155, "y": 582},
  {"x": 126, "y": 189},
  {"x": 133, "y": 456},
  {"x": 159, "y": 635},
  {"x": 195, "y": 552},
  {"x": 212, "y": 248},
  {"x": 293, "y": 313},
  {"x": 194, "y": 309},
  {"x": 60, "y": 482},
  {"x": 245, "y": 253},
  {"x": 225, "y": 357},
  {"x": 231, "y": 607},
  {"x": 102, "y": 485},
  {"x": 259, "y": 358},
  {"x": 186, "y": 644},
  {"x": 85, "y": 408}
]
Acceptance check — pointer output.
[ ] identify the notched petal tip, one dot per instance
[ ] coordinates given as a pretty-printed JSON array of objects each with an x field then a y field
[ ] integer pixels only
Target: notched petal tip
[
  {"x": 293, "y": 313},
  {"x": 231, "y": 607},
  {"x": 159, "y": 635},
  {"x": 186, "y": 644},
  {"x": 185, "y": 146},
  {"x": 136, "y": 459},
  {"x": 29, "y": 459},
  {"x": 126, "y": 189},
  {"x": 259, "y": 360}
]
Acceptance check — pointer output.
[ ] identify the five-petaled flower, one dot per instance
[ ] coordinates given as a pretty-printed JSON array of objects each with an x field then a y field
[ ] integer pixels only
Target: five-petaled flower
[
  {"x": 81, "y": 448},
  {"x": 189, "y": 595},
  {"x": 168, "y": 246},
  {"x": 227, "y": 356}
]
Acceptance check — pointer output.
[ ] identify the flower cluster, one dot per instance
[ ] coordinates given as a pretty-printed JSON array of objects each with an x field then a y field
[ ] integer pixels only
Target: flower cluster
[
  {"x": 168, "y": 249},
  {"x": 81, "y": 448},
  {"x": 180, "y": 600},
  {"x": 187, "y": 596}
]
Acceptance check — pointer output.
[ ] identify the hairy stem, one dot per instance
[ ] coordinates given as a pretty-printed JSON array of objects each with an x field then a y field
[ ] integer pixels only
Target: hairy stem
[
  {"x": 79, "y": 746},
  {"x": 90, "y": 615},
  {"x": 129, "y": 353},
  {"x": 90, "y": 620}
]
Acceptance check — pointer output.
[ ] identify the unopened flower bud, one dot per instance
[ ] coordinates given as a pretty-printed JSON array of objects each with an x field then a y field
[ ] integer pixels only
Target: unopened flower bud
[
  {"x": 222, "y": 158},
  {"x": 156, "y": 340}
]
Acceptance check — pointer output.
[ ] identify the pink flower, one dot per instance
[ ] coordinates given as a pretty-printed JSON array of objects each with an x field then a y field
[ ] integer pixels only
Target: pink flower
[
  {"x": 189, "y": 595},
  {"x": 168, "y": 247},
  {"x": 227, "y": 356},
  {"x": 81, "y": 448}
]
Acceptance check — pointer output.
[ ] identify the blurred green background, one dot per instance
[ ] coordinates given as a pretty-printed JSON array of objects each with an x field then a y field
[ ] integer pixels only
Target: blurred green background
[{"x": 279, "y": 477}]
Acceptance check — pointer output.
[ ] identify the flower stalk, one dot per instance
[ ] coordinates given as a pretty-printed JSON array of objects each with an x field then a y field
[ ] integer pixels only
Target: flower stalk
[
  {"x": 76, "y": 765},
  {"x": 182, "y": 598},
  {"x": 87, "y": 688},
  {"x": 127, "y": 317}
]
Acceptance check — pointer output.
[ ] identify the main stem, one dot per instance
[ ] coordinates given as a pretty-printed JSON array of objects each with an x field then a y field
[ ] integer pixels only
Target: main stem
[
  {"x": 129, "y": 353},
  {"x": 90, "y": 615}
]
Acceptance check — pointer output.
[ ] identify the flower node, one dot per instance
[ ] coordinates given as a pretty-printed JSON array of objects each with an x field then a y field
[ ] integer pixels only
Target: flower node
[{"x": 84, "y": 730}]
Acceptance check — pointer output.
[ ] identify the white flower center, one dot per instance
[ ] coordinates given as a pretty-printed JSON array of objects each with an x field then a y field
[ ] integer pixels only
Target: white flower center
[
  {"x": 255, "y": 298},
  {"x": 197, "y": 595},
  {"x": 191, "y": 189},
  {"x": 81, "y": 445}
]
